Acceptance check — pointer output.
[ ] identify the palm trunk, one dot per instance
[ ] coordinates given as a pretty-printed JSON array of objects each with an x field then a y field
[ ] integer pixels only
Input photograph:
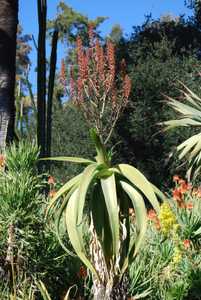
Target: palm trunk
[
  {"x": 41, "y": 77},
  {"x": 53, "y": 62},
  {"x": 8, "y": 33}
]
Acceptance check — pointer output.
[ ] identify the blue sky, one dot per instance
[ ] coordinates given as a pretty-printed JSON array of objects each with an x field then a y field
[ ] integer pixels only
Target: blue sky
[{"x": 126, "y": 13}]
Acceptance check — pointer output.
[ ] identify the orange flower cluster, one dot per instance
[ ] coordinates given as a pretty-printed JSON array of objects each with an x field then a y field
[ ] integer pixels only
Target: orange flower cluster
[
  {"x": 196, "y": 192},
  {"x": 96, "y": 71},
  {"x": 2, "y": 161},
  {"x": 51, "y": 181},
  {"x": 182, "y": 187},
  {"x": 152, "y": 216}
]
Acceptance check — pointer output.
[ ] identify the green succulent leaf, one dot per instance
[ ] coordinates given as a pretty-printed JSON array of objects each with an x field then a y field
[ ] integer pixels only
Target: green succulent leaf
[
  {"x": 109, "y": 191},
  {"x": 75, "y": 232},
  {"x": 140, "y": 213},
  {"x": 59, "y": 216},
  {"x": 189, "y": 115},
  {"x": 78, "y": 160},
  {"x": 87, "y": 177},
  {"x": 140, "y": 181},
  {"x": 101, "y": 221},
  {"x": 63, "y": 190}
]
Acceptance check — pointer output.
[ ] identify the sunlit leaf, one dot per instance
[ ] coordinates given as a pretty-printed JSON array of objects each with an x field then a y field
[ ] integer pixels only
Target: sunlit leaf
[
  {"x": 110, "y": 195},
  {"x": 140, "y": 181}
]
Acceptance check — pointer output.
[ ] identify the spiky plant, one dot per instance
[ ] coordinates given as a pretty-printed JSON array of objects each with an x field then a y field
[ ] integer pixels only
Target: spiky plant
[
  {"x": 108, "y": 193},
  {"x": 189, "y": 115}
]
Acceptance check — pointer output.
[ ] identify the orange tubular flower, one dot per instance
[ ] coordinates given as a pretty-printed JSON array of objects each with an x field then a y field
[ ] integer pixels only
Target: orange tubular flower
[
  {"x": 177, "y": 195},
  {"x": 184, "y": 187},
  {"x": 199, "y": 192},
  {"x": 52, "y": 193},
  {"x": 176, "y": 178},
  {"x": 157, "y": 224},
  {"x": 151, "y": 214},
  {"x": 51, "y": 180},
  {"x": 187, "y": 244},
  {"x": 189, "y": 205}
]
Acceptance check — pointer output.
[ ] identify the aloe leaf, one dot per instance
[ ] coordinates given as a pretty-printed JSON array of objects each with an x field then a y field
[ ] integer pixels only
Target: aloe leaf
[
  {"x": 87, "y": 176},
  {"x": 78, "y": 160},
  {"x": 140, "y": 213},
  {"x": 64, "y": 189},
  {"x": 197, "y": 232},
  {"x": 74, "y": 232},
  {"x": 184, "y": 122},
  {"x": 140, "y": 181},
  {"x": 185, "y": 109},
  {"x": 187, "y": 145},
  {"x": 101, "y": 221},
  {"x": 59, "y": 216},
  {"x": 190, "y": 92},
  {"x": 190, "y": 99},
  {"x": 195, "y": 150},
  {"x": 102, "y": 156},
  {"x": 109, "y": 191}
]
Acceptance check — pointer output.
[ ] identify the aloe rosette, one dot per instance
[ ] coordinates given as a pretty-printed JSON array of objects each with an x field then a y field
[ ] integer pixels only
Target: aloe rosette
[
  {"x": 108, "y": 192},
  {"x": 189, "y": 116}
]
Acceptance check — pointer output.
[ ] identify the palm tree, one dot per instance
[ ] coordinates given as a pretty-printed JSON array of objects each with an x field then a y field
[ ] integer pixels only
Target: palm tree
[{"x": 8, "y": 31}]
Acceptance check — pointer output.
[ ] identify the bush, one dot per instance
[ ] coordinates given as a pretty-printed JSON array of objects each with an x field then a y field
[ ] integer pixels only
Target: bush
[{"x": 169, "y": 266}]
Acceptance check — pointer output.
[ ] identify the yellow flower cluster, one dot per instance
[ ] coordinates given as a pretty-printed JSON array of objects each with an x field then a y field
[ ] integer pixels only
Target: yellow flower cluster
[
  {"x": 177, "y": 256},
  {"x": 167, "y": 219}
]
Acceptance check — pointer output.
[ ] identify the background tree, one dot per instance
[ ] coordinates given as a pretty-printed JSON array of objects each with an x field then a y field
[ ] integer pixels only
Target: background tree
[
  {"x": 24, "y": 103},
  {"x": 158, "y": 55}
]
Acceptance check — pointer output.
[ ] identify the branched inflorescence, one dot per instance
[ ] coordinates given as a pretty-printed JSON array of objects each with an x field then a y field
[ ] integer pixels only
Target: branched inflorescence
[{"x": 95, "y": 86}]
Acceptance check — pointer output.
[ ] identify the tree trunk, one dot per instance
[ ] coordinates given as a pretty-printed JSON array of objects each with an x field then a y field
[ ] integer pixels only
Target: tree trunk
[
  {"x": 8, "y": 33},
  {"x": 53, "y": 62},
  {"x": 41, "y": 77}
]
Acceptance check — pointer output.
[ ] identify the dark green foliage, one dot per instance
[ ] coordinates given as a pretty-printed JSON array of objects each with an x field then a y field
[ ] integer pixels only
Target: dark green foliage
[
  {"x": 70, "y": 23},
  {"x": 156, "y": 64},
  {"x": 70, "y": 138}
]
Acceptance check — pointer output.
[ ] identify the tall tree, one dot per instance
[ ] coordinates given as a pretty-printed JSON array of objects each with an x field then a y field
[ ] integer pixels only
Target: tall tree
[
  {"x": 8, "y": 32},
  {"x": 41, "y": 76}
]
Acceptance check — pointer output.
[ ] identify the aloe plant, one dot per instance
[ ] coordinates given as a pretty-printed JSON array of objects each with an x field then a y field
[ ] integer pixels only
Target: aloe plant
[
  {"x": 109, "y": 192},
  {"x": 189, "y": 115}
]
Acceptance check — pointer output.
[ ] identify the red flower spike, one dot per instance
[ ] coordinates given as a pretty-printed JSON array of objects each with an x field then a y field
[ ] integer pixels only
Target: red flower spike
[
  {"x": 91, "y": 34},
  {"x": 127, "y": 86}
]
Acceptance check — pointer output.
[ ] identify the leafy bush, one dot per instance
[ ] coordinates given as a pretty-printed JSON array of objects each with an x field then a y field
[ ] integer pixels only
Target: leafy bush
[
  {"x": 29, "y": 249},
  {"x": 169, "y": 266}
]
